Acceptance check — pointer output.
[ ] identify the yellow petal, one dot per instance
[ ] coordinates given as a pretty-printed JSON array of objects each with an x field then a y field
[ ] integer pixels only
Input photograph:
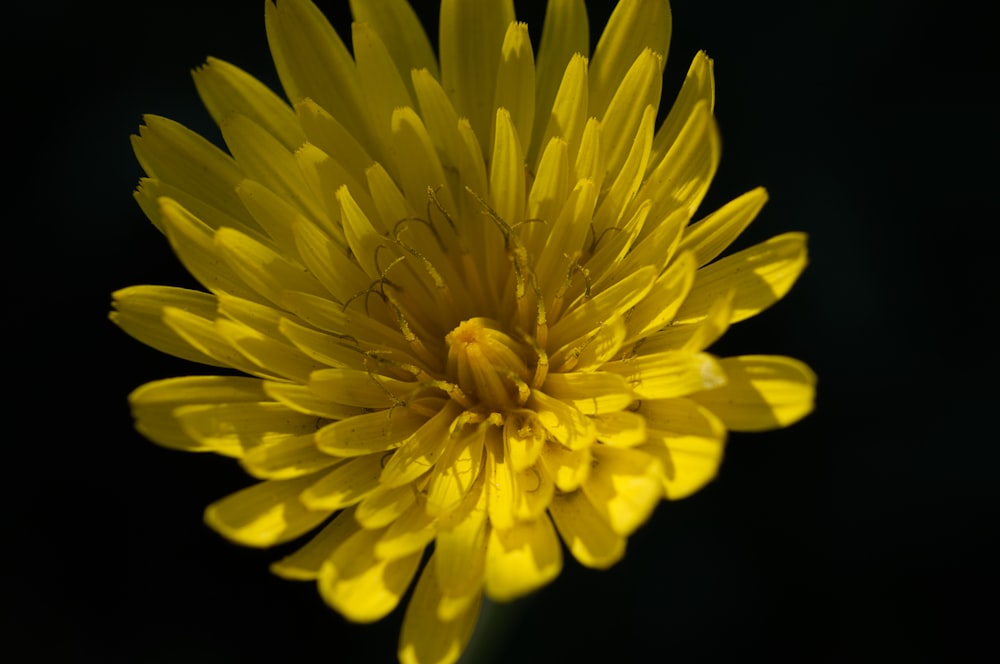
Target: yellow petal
[
  {"x": 627, "y": 179},
  {"x": 362, "y": 587},
  {"x": 274, "y": 213},
  {"x": 568, "y": 116},
  {"x": 502, "y": 492},
  {"x": 382, "y": 82},
  {"x": 265, "y": 514},
  {"x": 335, "y": 351},
  {"x": 669, "y": 374},
  {"x": 698, "y": 87},
  {"x": 303, "y": 400},
  {"x": 708, "y": 237},
  {"x": 384, "y": 505},
  {"x": 638, "y": 92},
  {"x": 286, "y": 458},
  {"x": 352, "y": 326},
  {"x": 657, "y": 243},
  {"x": 679, "y": 181},
  {"x": 266, "y": 350},
  {"x": 153, "y": 405},
  {"x": 419, "y": 165},
  {"x": 507, "y": 172},
  {"x": 524, "y": 437},
  {"x": 345, "y": 484},
  {"x": 764, "y": 392},
  {"x": 359, "y": 388},
  {"x": 585, "y": 531},
  {"x": 590, "y": 164},
  {"x": 693, "y": 337},
  {"x": 535, "y": 490},
  {"x": 304, "y": 564},
  {"x": 661, "y": 304},
  {"x": 709, "y": 329},
  {"x": 624, "y": 486},
  {"x": 371, "y": 432},
  {"x": 410, "y": 533},
  {"x": 234, "y": 428},
  {"x": 150, "y": 190},
  {"x": 226, "y": 89},
  {"x": 760, "y": 276},
  {"x": 472, "y": 167},
  {"x": 632, "y": 27},
  {"x": 179, "y": 157},
  {"x": 590, "y": 315},
  {"x": 330, "y": 261},
  {"x": 593, "y": 350},
  {"x": 621, "y": 429},
  {"x": 400, "y": 30},
  {"x": 362, "y": 235},
  {"x": 268, "y": 272},
  {"x": 193, "y": 242},
  {"x": 469, "y": 39},
  {"x": 565, "y": 244},
  {"x": 418, "y": 453},
  {"x": 522, "y": 559},
  {"x": 425, "y": 637},
  {"x": 455, "y": 471},
  {"x": 548, "y": 194},
  {"x": 439, "y": 117},
  {"x": 567, "y": 468},
  {"x": 313, "y": 62},
  {"x": 460, "y": 548},
  {"x": 139, "y": 311},
  {"x": 590, "y": 392},
  {"x": 264, "y": 159},
  {"x": 330, "y": 136},
  {"x": 564, "y": 422},
  {"x": 515, "y": 89},
  {"x": 565, "y": 35},
  {"x": 203, "y": 335},
  {"x": 687, "y": 439}
]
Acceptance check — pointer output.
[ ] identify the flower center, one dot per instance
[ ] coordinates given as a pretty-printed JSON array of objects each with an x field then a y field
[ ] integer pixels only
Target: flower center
[{"x": 488, "y": 365}]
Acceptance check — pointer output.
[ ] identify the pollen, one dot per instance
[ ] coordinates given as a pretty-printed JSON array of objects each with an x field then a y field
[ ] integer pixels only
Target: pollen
[{"x": 488, "y": 364}]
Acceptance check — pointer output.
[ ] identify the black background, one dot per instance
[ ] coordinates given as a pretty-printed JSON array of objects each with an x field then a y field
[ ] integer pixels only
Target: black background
[{"x": 859, "y": 534}]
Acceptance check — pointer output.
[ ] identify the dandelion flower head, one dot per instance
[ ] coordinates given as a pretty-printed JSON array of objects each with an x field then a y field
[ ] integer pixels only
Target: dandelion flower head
[{"x": 461, "y": 303}]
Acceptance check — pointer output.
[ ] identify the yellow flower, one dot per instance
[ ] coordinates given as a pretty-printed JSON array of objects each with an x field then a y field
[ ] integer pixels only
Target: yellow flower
[{"x": 464, "y": 296}]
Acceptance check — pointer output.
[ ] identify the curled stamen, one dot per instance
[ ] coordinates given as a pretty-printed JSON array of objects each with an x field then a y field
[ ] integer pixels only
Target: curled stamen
[
  {"x": 409, "y": 336},
  {"x": 574, "y": 267},
  {"x": 504, "y": 227},
  {"x": 432, "y": 199},
  {"x": 541, "y": 364},
  {"x": 377, "y": 287},
  {"x": 523, "y": 389},
  {"x": 532, "y": 220},
  {"x": 371, "y": 290},
  {"x": 439, "y": 281},
  {"x": 523, "y": 273},
  {"x": 454, "y": 392},
  {"x": 597, "y": 238},
  {"x": 396, "y": 230},
  {"x": 396, "y": 401}
]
